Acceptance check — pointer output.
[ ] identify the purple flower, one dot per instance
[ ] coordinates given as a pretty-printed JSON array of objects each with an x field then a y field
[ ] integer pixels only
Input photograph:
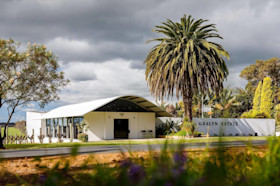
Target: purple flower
[
  {"x": 126, "y": 163},
  {"x": 42, "y": 178},
  {"x": 179, "y": 158},
  {"x": 136, "y": 173},
  {"x": 168, "y": 184}
]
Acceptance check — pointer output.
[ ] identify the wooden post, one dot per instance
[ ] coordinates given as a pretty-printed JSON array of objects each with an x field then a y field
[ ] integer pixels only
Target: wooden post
[
  {"x": 58, "y": 133},
  {"x": 71, "y": 132},
  {"x": 49, "y": 130},
  {"x": 32, "y": 140},
  {"x": 1, "y": 133},
  {"x": 58, "y": 129},
  {"x": 7, "y": 134},
  {"x": 67, "y": 131}
]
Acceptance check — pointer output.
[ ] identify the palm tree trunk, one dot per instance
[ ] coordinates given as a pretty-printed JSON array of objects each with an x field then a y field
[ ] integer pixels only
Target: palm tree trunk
[{"x": 187, "y": 100}]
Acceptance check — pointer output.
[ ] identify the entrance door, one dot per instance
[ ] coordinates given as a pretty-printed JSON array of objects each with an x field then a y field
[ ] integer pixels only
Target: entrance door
[{"x": 121, "y": 128}]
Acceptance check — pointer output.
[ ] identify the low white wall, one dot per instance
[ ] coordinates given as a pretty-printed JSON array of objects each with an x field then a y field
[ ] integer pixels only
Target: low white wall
[
  {"x": 54, "y": 140},
  {"x": 236, "y": 126},
  {"x": 101, "y": 124}
]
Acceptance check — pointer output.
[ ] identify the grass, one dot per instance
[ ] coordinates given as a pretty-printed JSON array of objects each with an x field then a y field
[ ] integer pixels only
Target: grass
[
  {"x": 132, "y": 142},
  {"x": 12, "y": 131}
]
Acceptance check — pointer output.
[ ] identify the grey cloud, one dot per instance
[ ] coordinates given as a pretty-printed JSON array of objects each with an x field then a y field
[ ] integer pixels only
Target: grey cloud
[
  {"x": 86, "y": 34},
  {"x": 118, "y": 29},
  {"x": 93, "y": 31},
  {"x": 82, "y": 76}
]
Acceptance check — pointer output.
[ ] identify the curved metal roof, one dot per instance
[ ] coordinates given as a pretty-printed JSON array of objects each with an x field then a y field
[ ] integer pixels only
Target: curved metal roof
[{"x": 81, "y": 109}]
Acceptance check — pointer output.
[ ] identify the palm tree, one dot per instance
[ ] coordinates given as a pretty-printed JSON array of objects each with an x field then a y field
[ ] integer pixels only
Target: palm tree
[
  {"x": 210, "y": 102},
  {"x": 185, "y": 62},
  {"x": 226, "y": 100},
  {"x": 162, "y": 104}
]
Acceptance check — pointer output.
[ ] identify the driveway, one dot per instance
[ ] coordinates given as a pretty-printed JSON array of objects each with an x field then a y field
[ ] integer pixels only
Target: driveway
[{"x": 20, "y": 153}]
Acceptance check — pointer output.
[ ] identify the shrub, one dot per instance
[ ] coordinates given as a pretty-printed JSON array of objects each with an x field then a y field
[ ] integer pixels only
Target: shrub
[
  {"x": 267, "y": 97},
  {"x": 189, "y": 127},
  {"x": 181, "y": 133},
  {"x": 257, "y": 98},
  {"x": 83, "y": 137},
  {"x": 254, "y": 114},
  {"x": 168, "y": 127}
]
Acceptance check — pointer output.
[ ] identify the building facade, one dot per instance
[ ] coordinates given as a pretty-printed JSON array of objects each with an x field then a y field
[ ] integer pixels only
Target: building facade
[{"x": 123, "y": 117}]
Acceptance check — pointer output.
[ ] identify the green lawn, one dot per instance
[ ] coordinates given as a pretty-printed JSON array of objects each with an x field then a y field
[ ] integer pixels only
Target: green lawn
[
  {"x": 132, "y": 142},
  {"x": 11, "y": 131}
]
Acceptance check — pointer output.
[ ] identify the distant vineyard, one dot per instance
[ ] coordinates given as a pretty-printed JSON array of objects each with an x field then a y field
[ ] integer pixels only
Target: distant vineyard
[{"x": 12, "y": 131}]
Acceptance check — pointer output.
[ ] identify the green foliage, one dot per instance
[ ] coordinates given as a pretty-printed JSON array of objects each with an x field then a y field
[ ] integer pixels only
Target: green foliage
[
  {"x": 83, "y": 137},
  {"x": 267, "y": 97},
  {"x": 168, "y": 127},
  {"x": 257, "y": 98},
  {"x": 83, "y": 126},
  {"x": 181, "y": 133},
  {"x": 245, "y": 98},
  {"x": 185, "y": 61},
  {"x": 189, "y": 127},
  {"x": 27, "y": 75},
  {"x": 261, "y": 69},
  {"x": 224, "y": 102},
  {"x": 277, "y": 113},
  {"x": 254, "y": 114}
]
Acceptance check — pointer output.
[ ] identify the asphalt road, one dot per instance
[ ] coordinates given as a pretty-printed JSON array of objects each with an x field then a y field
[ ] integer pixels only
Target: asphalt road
[{"x": 20, "y": 153}]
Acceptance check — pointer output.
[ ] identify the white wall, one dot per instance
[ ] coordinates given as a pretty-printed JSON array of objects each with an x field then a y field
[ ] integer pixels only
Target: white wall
[
  {"x": 101, "y": 124},
  {"x": 96, "y": 121},
  {"x": 33, "y": 123},
  {"x": 147, "y": 122},
  {"x": 234, "y": 126}
]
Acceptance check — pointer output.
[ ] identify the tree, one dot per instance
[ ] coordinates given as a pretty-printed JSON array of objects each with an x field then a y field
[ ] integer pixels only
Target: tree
[
  {"x": 185, "y": 62},
  {"x": 261, "y": 69},
  {"x": 225, "y": 101},
  {"x": 257, "y": 98},
  {"x": 32, "y": 75},
  {"x": 198, "y": 101},
  {"x": 267, "y": 97},
  {"x": 21, "y": 126},
  {"x": 245, "y": 99}
]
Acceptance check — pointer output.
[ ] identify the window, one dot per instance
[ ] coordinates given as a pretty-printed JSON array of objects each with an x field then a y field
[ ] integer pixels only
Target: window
[
  {"x": 77, "y": 128},
  {"x": 55, "y": 126},
  {"x": 64, "y": 125},
  {"x": 48, "y": 125}
]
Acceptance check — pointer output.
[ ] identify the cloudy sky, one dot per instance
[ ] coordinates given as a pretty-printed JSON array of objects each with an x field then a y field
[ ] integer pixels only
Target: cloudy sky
[{"x": 101, "y": 44}]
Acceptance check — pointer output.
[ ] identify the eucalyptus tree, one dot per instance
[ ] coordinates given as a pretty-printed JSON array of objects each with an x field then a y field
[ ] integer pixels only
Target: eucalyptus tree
[
  {"x": 26, "y": 76},
  {"x": 186, "y": 61}
]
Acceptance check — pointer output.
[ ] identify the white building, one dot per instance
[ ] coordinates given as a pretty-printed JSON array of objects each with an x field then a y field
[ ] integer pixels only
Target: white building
[{"x": 123, "y": 117}]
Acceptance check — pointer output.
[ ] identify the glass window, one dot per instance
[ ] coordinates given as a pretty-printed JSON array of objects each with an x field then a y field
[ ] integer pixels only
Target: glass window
[
  {"x": 48, "y": 122},
  {"x": 64, "y": 124},
  {"x": 59, "y": 121},
  {"x": 55, "y": 126},
  {"x": 76, "y": 127},
  {"x": 69, "y": 120},
  {"x": 51, "y": 126}
]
